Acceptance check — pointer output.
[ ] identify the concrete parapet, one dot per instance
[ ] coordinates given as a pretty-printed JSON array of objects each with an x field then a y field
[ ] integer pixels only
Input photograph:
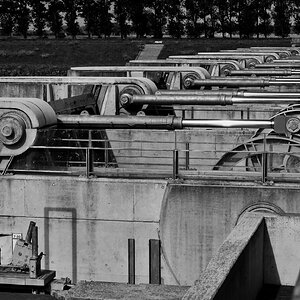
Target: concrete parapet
[
  {"x": 260, "y": 250},
  {"x": 236, "y": 271}
]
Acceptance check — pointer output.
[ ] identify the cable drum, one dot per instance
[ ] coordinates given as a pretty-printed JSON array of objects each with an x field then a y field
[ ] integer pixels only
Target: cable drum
[
  {"x": 20, "y": 119},
  {"x": 125, "y": 107},
  {"x": 12, "y": 128},
  {"x": 227, "y": 68}
]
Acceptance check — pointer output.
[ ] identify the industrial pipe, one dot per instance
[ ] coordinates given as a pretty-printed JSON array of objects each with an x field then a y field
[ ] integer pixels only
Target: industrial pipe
[
  {"x": 145, "y": 122},
  {"x": 261, "y": 72},
  {"x": 231, "y": 92},
  {"x": 229, "y": 82},
  {"x": 294, "y": 67},
  {"x": 236, "y": 82},
  {"x": 217, "y": 99}
]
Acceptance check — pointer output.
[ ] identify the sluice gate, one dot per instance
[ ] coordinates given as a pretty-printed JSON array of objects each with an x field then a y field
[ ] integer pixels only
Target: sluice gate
[{"x": 133, "y": 184}]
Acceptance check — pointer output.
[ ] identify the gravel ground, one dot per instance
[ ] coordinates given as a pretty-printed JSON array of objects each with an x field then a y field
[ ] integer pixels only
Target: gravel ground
[{"x": 112, "y": 291}]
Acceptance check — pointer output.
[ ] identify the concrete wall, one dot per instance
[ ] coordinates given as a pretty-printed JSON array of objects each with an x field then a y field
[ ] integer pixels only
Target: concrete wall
[
  {"x": 236, "y": 271},
  {"x": 197, "y": 217},
  {"x": 154, "y": 149},
  {"x": 282, "y": 244},
  {"x": 262, "y": 249},
  {"x": 84, "y": 224}
]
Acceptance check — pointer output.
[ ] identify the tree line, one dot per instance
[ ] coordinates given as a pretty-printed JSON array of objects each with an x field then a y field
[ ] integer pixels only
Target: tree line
[{"x": 177, "y": 18}]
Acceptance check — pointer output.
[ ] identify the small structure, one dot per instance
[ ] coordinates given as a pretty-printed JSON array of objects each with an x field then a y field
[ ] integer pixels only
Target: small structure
[{"x": 25, "y": 267}]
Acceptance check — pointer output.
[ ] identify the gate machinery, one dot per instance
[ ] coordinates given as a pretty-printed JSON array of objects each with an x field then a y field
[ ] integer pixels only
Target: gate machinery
[
  {"x": 34, "y": 137},
  {"x": 251, "y": 59},
  {"x": 293, "y": 50},
  {"x": 93, "y": 95},
  {"x": 283, "y": 53},
  {"x": 165, "y": 77},
  {"x": 268, "y": 56},
  {"x": 214, "y": 67}
]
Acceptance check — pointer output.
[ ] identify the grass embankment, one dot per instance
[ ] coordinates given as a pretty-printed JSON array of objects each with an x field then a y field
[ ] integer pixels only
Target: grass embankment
[{"x": 55, "y": 57}]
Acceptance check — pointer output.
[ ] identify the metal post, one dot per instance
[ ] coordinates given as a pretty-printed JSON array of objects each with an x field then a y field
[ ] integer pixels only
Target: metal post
[
  {"x": 187, "y": 156},
  {"x": 154, "y": 262},
  {"x": 34, "y": 261},
  {"x": 131, "y": 261},
  {"x": 106, "y": 153},
  {"x": 264, "y": 163},
  {"x": 89, "y": 156},
  {"x": 35, "y": 246},
  {"x": 29, "y": 232},
  {"x": 175, "y": 163}
]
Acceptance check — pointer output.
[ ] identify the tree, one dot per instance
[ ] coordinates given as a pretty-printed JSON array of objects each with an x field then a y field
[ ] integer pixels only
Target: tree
[
  {"x": 54, "y": 16},
  {"x": 247, "y": 18},
  {"x": 265, "y": 17},
  {"x": 193, "y": 26},
  {"x": 103, "y": 25},
  {"x": 222, "y": 15},
  {"x": 7, "y": 16},
  {"x": 282, "y": 18},
  {"x": 121, "y": 9},
  {"x": 39, "y": 15},
  {"x": 157, "y": 17},
  {"x": 71, "y": 10},
  {"x": 89, "y": 12},
  {"x": 22, "y": 17},
  {"x": 176, "y": 17},
  {"x": 139, "y": 16}
]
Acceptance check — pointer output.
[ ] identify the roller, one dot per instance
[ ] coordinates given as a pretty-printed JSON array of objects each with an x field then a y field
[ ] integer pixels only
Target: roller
[{"x": 20, "y": 119}]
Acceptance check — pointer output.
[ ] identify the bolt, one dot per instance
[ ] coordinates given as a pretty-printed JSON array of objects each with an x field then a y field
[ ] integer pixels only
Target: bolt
[
  {"x": 7, "y": 130},
  {"x": 125, "y": 99}
]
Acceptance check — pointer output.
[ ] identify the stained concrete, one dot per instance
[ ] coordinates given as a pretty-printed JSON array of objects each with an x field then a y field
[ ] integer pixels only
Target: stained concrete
[{"x": 84, "y": 224}]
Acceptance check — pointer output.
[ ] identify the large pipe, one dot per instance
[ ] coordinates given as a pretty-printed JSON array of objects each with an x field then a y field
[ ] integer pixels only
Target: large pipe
[
  {"x": 236, "y": 82},
  {"x": 203, "y": 100},
  {"x": 292, "y": 66},
  {"x": 228, "y": 123},
  {"x": 261, "y": 72},
  {"x": 145, "y": 122},
  {"x": 229, "y": 82},
  {"x": 231, "y": 92},
  {"x": 292, "y": 61},
  {"x": 120, "y": 122}
]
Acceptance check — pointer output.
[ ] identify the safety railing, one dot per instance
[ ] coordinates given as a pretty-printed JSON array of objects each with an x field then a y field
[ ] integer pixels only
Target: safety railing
[{"x": 223, "y": 153}]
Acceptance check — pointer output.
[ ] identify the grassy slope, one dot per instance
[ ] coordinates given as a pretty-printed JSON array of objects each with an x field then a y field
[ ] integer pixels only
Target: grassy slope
[
  {"x": 178, "y": 47},
  {"x": 54, "y": 57}
]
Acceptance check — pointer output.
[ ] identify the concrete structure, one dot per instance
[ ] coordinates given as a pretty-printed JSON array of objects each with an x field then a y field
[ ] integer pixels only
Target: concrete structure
[
  {"x": 261, "y": 250},
  {"x": 85, "y": 224},
  {"x": 150, "y": 51}
]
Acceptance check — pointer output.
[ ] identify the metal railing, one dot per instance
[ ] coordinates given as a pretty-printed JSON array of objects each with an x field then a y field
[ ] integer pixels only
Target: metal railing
[{"x": 226, "y": 154}]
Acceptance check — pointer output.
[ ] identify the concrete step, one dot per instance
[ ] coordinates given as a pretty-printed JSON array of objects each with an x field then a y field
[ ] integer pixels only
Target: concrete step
[{"x": 151, "y": 51}]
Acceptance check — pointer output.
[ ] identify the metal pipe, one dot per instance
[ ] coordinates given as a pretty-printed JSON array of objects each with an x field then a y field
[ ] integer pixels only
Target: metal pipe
[
  {"x": 228, "y": 123},
  {"x": 218, "y": 99},
  {"x": 231, "y": 92},
  {"x": 292, "y": 61},
  {"x": 179, "y": 99},
  {"x": 261, "y": 72},
  {"x": 229, "y": 82},
  {"x": 143, "y": 122},
  {"x": 292, "y": 66},
  {"x": 236, "y": 82},
  {"x": 120, "y": 122}
]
